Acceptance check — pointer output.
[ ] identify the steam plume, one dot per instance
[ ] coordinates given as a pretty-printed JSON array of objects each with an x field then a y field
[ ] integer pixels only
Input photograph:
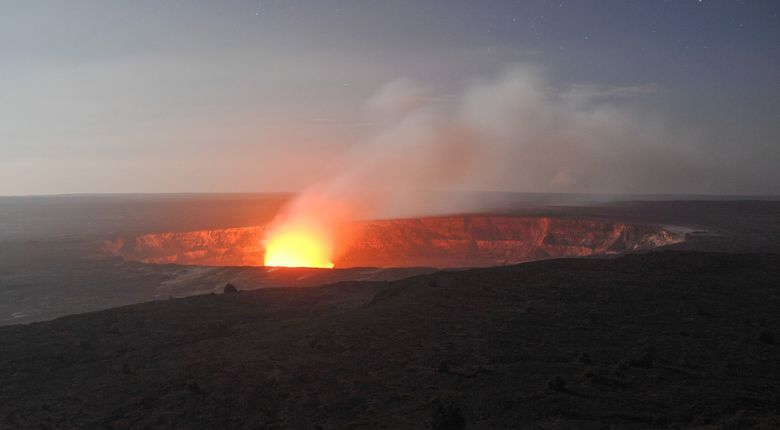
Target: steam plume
[{"x": 513, "y": 132}]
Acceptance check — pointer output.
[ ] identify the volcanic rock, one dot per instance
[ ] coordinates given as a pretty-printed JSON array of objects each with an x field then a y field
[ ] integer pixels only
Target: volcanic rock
[
  {"x": 377, "y": 344},
  {"x": 451, "y": 241}
]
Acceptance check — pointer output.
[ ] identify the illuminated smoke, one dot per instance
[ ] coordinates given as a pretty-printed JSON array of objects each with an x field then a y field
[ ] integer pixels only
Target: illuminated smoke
[{"x": 511, "y": 133}]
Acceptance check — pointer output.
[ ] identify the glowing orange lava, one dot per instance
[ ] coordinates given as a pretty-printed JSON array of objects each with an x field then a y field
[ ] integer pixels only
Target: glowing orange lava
[{"x": 296, "y": 246}]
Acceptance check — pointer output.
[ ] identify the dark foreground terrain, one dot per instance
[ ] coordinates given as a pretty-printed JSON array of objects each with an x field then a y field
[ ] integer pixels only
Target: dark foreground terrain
[{"x": 658, "y": 340}]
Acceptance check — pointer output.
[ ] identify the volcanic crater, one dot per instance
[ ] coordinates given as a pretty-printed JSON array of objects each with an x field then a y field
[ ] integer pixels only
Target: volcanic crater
[{"x": 443, "y": 242}]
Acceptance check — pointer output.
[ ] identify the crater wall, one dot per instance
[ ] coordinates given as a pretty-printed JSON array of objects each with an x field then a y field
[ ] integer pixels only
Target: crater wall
[{"x": 451, "y": 241}]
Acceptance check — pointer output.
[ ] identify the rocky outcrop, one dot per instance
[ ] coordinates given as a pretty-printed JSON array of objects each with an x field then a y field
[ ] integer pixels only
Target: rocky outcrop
[
  {"x": 492, "y": 240},
  {"x": 225, "y": 247},
  {"x": 452, "y": 241}
]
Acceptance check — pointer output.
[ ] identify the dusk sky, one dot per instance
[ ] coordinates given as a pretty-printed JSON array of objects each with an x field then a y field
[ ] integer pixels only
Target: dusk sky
[{"x": 234, "y": 96}]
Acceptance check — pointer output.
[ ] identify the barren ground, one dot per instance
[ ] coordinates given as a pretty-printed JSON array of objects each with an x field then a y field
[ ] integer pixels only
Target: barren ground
[{"x": 658, "y": 340}]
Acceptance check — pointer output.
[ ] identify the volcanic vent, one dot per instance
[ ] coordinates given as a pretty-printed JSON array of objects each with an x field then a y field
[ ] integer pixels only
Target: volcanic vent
[{"x": 451, "y": 241}]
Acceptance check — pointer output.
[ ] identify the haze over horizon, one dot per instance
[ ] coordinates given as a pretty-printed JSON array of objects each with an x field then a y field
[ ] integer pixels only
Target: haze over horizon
[{"x": 259, "y": 96}]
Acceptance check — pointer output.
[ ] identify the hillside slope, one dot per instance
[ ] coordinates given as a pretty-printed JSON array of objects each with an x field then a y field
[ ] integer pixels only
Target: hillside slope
[{"x": 658, "y": 340}]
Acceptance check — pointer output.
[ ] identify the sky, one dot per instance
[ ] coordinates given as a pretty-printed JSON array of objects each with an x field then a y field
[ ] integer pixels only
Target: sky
[{"x": 277, "y": 95}]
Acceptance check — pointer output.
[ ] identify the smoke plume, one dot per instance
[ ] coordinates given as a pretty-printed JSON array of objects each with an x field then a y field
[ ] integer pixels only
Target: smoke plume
[{"x": 514, "y": 132}]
